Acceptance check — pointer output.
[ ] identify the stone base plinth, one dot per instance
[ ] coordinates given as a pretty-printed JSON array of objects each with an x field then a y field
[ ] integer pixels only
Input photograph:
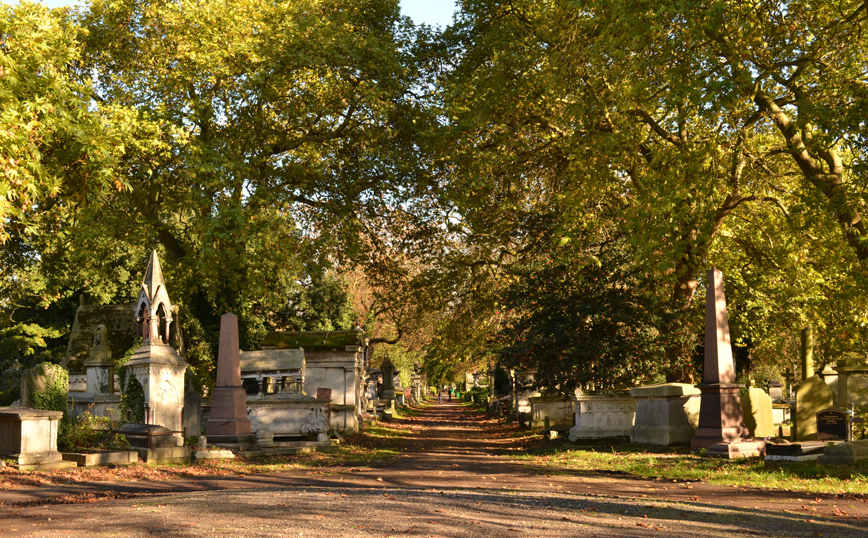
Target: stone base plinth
[
  {"x": 599, "y": 417},
  {"x": 737, "y": 449},
  {"x": 47, "y": 466},
  {"x": 112, "y": 457},
  {"x": 666, "y": 414},
  {"x": 247, "y": 438},
  {"x": 228, "y": 412},
  {"x": 213, "y": 455},
  {"x": 720, "y": 416},
  {"x": 178, "y": 454},
  {"x": 240, "y": 426}
]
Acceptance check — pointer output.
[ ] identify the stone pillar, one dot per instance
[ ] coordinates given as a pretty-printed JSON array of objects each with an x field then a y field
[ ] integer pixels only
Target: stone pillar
[
  {"x": 228, "y": 401},
  {"x": 807, "y": 352},
  {"x": 721, "y": 422}
]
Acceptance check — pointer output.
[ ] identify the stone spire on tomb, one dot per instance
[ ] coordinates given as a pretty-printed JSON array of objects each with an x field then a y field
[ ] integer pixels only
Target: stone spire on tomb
[
  {"x": 156, "y": 365},
  {"x": 153, "y": 308}
]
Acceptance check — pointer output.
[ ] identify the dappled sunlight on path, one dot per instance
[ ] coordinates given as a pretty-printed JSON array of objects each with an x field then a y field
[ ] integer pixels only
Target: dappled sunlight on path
[{"x": 451, "y": 480}]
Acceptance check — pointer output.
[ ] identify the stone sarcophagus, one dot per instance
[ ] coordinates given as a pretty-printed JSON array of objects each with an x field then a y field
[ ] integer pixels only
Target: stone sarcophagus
[
  {"x": 335, "y": 360},
  {"x": 599, "y": 417},
  {"x": 276, "y": 399}
]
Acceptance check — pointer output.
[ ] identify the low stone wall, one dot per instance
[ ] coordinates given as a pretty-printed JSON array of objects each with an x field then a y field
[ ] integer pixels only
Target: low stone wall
[{"x": 599, "y": 417}]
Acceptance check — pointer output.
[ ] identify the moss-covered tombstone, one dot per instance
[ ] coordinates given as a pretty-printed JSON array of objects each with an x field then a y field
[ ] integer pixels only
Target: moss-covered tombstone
[{"x": 46, "y": 386}]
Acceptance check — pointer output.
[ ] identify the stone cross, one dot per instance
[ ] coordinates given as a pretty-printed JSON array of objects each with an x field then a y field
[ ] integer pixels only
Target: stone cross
[
  {"x": 807, "y": 352},
  {"x": 788, "y": 379}
]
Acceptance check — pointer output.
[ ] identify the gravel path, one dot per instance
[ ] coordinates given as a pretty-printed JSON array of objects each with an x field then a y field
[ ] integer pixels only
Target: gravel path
[{"x": 453, "y": 481}]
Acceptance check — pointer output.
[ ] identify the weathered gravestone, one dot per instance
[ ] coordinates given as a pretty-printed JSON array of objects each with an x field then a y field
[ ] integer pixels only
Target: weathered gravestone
[
  {"x": 757, "y": 410},
  {"x": 603, "y": 416},
  {"x": 812, "y": 396},
  {"x": 832, "y": 425},
  {"x": 388, "y": 392},
  {"x": 45, "y": 386},
  {"x": 721, "y": 423},
  {"x": 845, "y": 453},
  {"x": 192, "y": 415}
]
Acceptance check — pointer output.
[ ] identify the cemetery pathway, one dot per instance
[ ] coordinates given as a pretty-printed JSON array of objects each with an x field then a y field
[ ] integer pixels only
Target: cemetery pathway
[{"x": 454, "y": 480}]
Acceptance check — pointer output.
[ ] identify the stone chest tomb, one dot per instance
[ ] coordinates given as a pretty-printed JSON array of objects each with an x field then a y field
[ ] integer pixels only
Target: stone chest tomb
[{"x": 333, "y": 360}]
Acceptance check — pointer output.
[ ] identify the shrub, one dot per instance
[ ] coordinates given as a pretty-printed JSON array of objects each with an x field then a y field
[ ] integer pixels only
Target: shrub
[{"x": 89, "y": 433}]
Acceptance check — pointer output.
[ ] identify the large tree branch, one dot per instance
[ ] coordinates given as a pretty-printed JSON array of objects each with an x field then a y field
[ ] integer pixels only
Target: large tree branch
[{"x": 656, "y": 127}]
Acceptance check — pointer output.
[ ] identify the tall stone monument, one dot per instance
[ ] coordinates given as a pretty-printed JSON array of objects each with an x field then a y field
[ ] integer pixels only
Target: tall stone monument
[
  {"x": 156, "y": 365},
  {"x": 813, "y": 395},
  {"x": 721, "y": 423},
  {"x": 228, "y": 419}
]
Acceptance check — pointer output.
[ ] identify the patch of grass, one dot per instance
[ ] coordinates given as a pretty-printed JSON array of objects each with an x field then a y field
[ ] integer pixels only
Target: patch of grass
[{"x": 684, "y": 466}]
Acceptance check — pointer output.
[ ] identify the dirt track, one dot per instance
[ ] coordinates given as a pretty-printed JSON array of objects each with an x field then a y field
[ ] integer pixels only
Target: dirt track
[{"x": 452, "y": 482}]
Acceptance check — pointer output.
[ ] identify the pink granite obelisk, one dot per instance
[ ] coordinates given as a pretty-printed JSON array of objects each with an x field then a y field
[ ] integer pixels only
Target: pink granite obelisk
[
  {"x": 228, "y": 402},
  {"x": 721, "y": 424}
]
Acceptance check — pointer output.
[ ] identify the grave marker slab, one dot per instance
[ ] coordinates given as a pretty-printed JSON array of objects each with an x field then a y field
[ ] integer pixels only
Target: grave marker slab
[{"x": 832, "y": 425}]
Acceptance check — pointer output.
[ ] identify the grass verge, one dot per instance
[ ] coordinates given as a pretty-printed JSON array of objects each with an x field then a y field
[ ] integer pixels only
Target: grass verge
[
  {"x": 373, "y": 447},
  {"x": 681, "y": 465}
]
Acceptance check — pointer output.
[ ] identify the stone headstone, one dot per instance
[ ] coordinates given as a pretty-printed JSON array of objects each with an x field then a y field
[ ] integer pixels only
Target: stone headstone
[
  {"x": 192, "y": 415},
  {"x": 720, "y": 415},
  {"x": 832, "y": 425},
  {"x": 757, "y": 410},
  {"x": 788, "y": 387},
  {"x": 156, "y": 365},
  {"x": 388, "y": 370},
  {"x": 228, "y": 401},
  {"x": 45, "y": 386},
  {"x": 812, "y": 396}
]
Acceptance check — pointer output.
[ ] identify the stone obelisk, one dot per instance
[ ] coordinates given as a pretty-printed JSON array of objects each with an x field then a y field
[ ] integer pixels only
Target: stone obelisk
[
  {"x": 228, "y": 422},
  {"x": 721, "y": 423}
]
